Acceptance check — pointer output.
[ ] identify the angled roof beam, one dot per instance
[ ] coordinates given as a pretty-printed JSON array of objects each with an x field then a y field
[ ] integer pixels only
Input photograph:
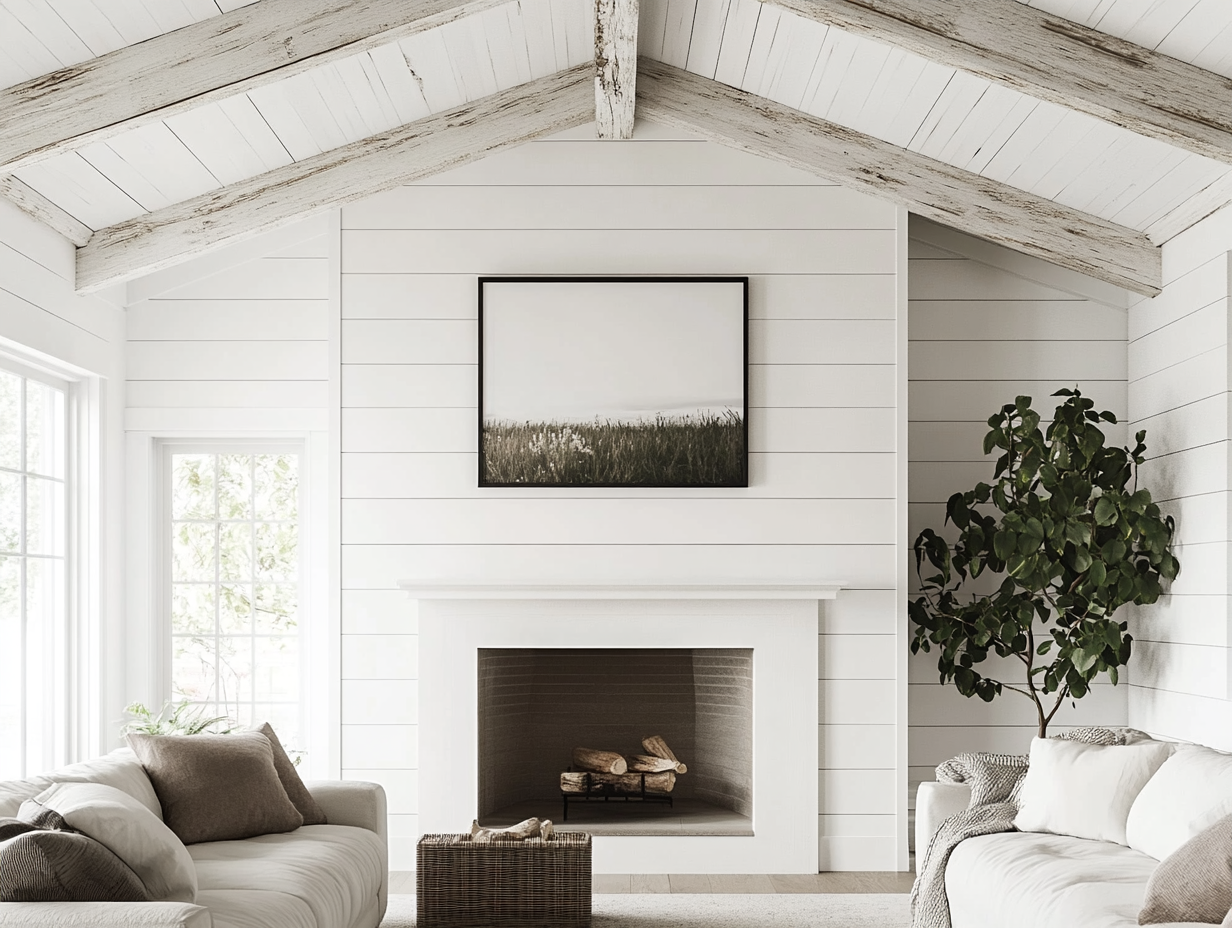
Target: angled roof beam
[
  {"x": 34, "y": 204},
  {"x": 1050, "y": 58},
  {"x": 615, "y": 67},
  {"x": 268, "y": 201},
  {"x": 929, "y": 188},
  {"x": 215, "y": 58}
]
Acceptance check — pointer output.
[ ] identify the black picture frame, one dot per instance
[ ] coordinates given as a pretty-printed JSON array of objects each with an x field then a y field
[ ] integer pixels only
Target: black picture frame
[{"x": 719, "y": 444}]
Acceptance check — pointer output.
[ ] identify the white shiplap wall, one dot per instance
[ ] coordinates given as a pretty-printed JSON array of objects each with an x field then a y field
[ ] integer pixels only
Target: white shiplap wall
[
  {"x": 42, "y": 320},
  {"x": 233, "y": 345},
  {"x": 986, "y": 325},
  {"x": 824, "y": 413},
  {"x": 1179, "y": 378}
]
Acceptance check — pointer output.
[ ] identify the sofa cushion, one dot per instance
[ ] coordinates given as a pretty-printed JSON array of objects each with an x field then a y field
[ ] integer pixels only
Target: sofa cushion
[
  {"x": 128, "y": 829},
  {"x": 1188, "y": 794},
  {"x": 252, "y": 908},
  {"x": 217, "y": 787},
  {"x": 120, "y": 769},
  {"x": 1195, "y": 883},
  {"x": 1022, "y": 880},
  {"x": 335, "y": 870},
  {"x": 1085, "y": 790}
]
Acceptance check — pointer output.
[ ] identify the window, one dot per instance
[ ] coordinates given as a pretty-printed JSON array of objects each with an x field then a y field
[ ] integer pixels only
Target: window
[
  {"x": 33, "y": 570},
  {"x": 235, "y": 591}
]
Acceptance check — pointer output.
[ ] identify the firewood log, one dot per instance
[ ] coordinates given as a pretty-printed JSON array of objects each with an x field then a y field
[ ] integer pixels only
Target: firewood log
[
  {"x": 531, "y": 828},
  {"x": 576, "y": 782},
  {"x": 658, "y": 747},
  {"x": 599, "y": 761},
  {"x": 646, "y": 764}
]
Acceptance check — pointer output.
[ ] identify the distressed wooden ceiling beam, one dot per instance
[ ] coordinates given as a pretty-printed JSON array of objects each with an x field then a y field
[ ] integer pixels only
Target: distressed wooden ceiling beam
[
  {"x": 408, "y": 153},
  {"x": 219, "y": 57},
  {"x": 34, "y": 204},
  {"x": 1050, "y": 58},
  {"x": 615, "y": 67},
  {"x": 930, "y": 188}
]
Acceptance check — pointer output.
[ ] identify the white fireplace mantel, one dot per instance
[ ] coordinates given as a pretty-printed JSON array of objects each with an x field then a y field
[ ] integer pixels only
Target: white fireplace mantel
[{"x": 480, "y": 589}]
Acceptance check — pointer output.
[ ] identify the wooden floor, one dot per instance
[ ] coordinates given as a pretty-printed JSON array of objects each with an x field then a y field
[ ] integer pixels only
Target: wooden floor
[{"x": 403, "y": 881}]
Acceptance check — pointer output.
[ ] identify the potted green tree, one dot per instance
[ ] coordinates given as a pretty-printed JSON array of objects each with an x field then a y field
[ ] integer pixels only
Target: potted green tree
[{"x": 1073, "y": 538}]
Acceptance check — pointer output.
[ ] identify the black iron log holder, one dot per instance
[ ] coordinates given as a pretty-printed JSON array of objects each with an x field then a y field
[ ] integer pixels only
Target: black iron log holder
[{"x": 606, "y": 791}]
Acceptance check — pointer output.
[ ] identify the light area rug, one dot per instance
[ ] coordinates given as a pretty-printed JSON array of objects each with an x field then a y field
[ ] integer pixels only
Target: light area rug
[{"x": 724, "y": 910}]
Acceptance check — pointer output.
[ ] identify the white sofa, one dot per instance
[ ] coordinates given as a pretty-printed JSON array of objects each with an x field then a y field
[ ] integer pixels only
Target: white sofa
[
  {"x": 319, "y": 876},
  {"x": 1039, "y": 880}
]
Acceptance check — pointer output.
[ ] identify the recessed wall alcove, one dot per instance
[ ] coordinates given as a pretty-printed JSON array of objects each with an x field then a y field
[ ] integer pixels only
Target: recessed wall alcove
[{"x": 537, "y": 704}]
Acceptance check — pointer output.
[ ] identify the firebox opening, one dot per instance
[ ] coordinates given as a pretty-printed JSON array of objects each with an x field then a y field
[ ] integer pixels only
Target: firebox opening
[{"x": 537, "y": 704}]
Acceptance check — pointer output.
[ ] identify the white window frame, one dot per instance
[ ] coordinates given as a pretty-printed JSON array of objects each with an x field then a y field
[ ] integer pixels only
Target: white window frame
[
  {"x": 71, "y": 689},
  {"x": 161, "y": 545}
]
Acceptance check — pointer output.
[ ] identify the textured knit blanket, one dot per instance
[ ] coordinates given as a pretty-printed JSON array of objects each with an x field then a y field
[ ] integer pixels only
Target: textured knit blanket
[{"x": 995, "y": 780}]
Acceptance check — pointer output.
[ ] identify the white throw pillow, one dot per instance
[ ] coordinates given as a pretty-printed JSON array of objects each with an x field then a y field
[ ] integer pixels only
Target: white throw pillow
[
  {"x": 129, "y": 830},
  {"x": 1085, "y": 790},
  {"x": 1188, "y": 794}
]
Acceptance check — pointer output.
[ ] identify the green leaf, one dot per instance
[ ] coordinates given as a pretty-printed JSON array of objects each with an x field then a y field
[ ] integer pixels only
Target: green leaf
[{"x": 1105, "y": 511}]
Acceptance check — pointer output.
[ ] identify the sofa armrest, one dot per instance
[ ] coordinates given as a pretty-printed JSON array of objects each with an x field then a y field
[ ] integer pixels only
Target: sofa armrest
[
  {"x": 934, "y": 803},
  {"x": 352, "y": 802},
  {"x": 103, "y": 915},
  {"x": 362, "y": 805}
]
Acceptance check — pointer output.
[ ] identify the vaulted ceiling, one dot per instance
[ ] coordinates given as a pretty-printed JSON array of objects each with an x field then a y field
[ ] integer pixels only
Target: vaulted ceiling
[{"x": 1085, "y": 131}]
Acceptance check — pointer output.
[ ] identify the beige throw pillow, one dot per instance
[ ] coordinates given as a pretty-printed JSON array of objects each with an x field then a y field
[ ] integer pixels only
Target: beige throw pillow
[
  {"x": 1194, "y": 884},
  {"x": 297, "y": 792},
  {"x": 217, "y": 787}
]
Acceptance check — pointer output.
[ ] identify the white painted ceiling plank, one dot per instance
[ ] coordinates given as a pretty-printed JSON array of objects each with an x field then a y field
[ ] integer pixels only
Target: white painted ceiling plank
[
  {"x": 763, "y": 47},
  {"x": 1169, "y": 191},
  {"x": 790, "y": 63},
  {"x": 354, "y": 108},
  {"x": 1196, "y": 208},
  {"x": 246, "y": 118},
  {"x": 923, "y": 87},
  {"x": 838, "y": 48},
  {"x": 708, "y": 25},
  {"x": 1011, "y": 120},
  {"x": 1051, "y": 150},
  {"x": 737, "y": 42},
  {"x": 363, "y": 82},
  {"x": 537, "y": 27},
  {"x": 90, "y": 24},
  {"x": 279, "y": 112},
  {"x": 1111, "y": 167},
  {"x": 1038, "y": 126},
  {"x": 216, "y": 141},
  {"x": 1144, "y": 161},
  {"x": 468, "y": 50},
  {"x": 1216, "y": 54},
  {"x": 507, "y": 55},
  {"x": 579, "y": 16},
  {"x": 960, "y": 96},
  {"x": 74, "y": 185},
  {"x": 25, "y": 52},
  {"x": 679, "y": 20},
  {"x": 428, "y": 59},
  {"x": 1078, "y": 160},
  {"x": 651, "y": 27},
  {"x": 868, "y": 63},
  {"x": 50, "y": 29},
  {"x": 975, "y": 130},
  {"x": 284, "y": 196},
  {"x": 1151, "y": 27},
  {"x": 515, "y": 25},
  {"x": 400, "y": 84}
]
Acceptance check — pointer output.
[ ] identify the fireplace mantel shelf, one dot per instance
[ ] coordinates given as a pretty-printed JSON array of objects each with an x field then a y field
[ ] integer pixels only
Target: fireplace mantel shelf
[{"x": 481, "y": 590}]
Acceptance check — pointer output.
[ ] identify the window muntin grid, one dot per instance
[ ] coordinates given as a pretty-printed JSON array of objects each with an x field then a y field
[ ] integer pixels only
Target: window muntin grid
[
  {"x": 33, "y": 555},
  {"x": 235, "y": 586}
]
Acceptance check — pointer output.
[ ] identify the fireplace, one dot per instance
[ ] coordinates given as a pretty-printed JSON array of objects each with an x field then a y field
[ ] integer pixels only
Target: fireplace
[
  {"x": 767, "y": 802},
  {"x": 537, "y": 704}
]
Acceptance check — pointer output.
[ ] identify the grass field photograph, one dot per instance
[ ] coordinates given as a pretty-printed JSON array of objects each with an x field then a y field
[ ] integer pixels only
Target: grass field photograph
[{"x": 613, "y": 382}]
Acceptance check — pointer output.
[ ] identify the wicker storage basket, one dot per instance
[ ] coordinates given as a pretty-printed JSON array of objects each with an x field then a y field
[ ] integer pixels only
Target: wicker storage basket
[{"x": 504, "y": 882}]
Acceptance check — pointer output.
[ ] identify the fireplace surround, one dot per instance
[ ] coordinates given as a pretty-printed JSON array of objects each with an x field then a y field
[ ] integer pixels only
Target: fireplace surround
[{"x": 777, "y": 626}]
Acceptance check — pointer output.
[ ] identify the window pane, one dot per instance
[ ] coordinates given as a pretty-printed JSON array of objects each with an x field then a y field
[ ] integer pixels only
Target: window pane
[
  {"x": 235, "y": 551},
  {"x": 10, "y": 512},
  {"x": 235, "y": 486},
  {"x": 11, "y": 702},
  {"x": 277, "y": 486},
  {"x": 192, "y": 609},
  {"x": 192, "y": 486},
  {"x": 44, "y": 516},
  {"x": 235, "y": 610},
  {"x": 275, "y": 609},
  {"x": 234, "y": 670},
  {"x": 276, "y": 669},
  {"x": 277, "y": 554},
  {"x": 10, "y": 421},
  {"x": 192, "y": 668},
  {"x": 192, "y": 551},
  {"x": 44, "y": 430},
  {"x": 286, "y": 721}
]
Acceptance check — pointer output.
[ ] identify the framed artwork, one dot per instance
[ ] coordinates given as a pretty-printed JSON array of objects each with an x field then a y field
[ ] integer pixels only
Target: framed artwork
[{"x": 613, "y": 381}]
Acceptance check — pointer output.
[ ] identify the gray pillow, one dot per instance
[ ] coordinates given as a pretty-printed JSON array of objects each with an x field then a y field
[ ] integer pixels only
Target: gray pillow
[
  {"x": 217, "y": 787},
  {"x": 1194, "y": 883},
  {"x": 297, "y": 792},
  {"x": 49, "y": 862},
  {"x": 995, "y": 778}
]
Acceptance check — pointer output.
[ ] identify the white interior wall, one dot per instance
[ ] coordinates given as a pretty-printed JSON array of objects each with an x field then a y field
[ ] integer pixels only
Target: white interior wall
[
  {"x": 232, "y": 345},
  {"x": 823, "y": 417},
  {"x": 988, "y": 324},
  {"x": 1179, "y": 379},
  {"x": 43, "y": 319}
]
